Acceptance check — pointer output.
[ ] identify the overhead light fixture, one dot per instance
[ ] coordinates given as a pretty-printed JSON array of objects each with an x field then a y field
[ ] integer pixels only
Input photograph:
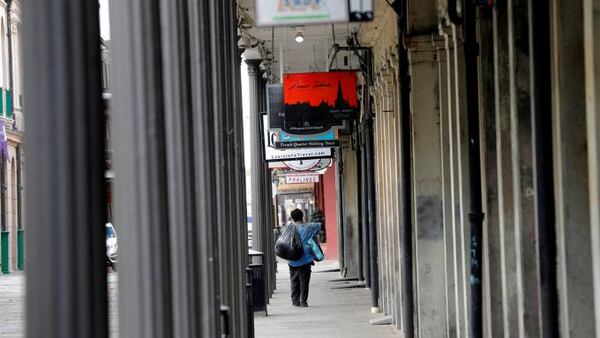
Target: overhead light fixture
[{"x": 299, "y": 37}]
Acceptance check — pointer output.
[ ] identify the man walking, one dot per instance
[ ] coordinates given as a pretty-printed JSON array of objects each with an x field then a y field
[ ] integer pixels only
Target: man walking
[{"x": 300, "y": 269}]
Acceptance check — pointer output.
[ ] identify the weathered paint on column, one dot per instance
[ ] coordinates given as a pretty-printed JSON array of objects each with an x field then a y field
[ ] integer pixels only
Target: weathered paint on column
[
  {"x": 446, "y": 99},
  {"x": 460, "y": 178},
  {"x": 331, "y": 248},
  {"x": 526, "y": 240},
  {"x": 66, "y": 282},
  {"x": 428, "y": 192},
  {"x": 493, "y": 303},
  {"x": 351, "y": 207},
  {"x": 591, "y": 17},
  {"x": 505, "y": 173},
  {"x": 575, "y": 278}
]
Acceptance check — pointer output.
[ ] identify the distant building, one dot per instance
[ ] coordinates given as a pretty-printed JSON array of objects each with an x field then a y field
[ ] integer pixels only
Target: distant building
[{"x": 12, "y": 161}]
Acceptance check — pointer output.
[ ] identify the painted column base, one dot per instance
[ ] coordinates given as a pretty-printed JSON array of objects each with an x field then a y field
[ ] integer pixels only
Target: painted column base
[
  {"x": 4, "y": 253},
  {"x": 20, "y": 249}
]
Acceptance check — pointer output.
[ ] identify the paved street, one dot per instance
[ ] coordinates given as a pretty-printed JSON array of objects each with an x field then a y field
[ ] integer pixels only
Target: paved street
[
  {"x": 12, "y": 306},
  {"x": 331, "y": 313},
  {"x": 12, "y": 291}
]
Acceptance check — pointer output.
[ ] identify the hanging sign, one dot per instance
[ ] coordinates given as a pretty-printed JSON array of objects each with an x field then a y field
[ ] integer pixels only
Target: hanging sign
[
  {"x": 314, "y": 102},
  {"x": 306, "y": 165},
  {"x": 296, "y": 178},
  {"x": 324, "y": 163},
  {"x": 275, "y": 108},
  {"x": 304, "y": 12},
  {"x": 329, "y": 135},
  {"x": 302, "y": 165},
  {"x": 326, "y": 139},
  {"x": 306, "y": 144},
  {"x": 274, "y": 154}
]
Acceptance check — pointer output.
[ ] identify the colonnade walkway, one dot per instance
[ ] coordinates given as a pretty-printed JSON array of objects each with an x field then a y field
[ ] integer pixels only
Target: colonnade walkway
[{"x": 331, "y": 312}]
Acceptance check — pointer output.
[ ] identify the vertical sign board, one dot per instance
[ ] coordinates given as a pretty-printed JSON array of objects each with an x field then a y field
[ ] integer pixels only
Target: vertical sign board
[
  {"x": 314, "y": 102},
  {"x": 303, "y": 12}
]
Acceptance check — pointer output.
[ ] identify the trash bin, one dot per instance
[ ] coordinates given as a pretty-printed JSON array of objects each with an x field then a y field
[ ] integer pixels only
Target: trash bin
[
  {"x": 249, "y": 302},
  {"x": 259, "y": 296}
]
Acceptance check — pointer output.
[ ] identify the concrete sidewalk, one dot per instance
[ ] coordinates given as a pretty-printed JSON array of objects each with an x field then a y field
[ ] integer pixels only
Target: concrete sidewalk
[
  {"x": 330, "y": 313},
  {"x": 12, "y": 305}
]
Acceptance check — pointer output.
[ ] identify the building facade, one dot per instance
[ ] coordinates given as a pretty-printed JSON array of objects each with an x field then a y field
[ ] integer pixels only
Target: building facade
[{"x": 11, "y": 116}]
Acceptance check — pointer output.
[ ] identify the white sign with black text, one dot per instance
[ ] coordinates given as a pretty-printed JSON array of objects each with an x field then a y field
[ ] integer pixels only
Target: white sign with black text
[
  {"x": 305, "y": 12},
  {"x": 274, "y": 154},
  {"x": 301, "y": 178}
]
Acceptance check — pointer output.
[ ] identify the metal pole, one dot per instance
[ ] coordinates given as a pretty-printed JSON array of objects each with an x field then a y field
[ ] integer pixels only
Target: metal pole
[
  {"x": 342, "y": 232},
  {"x": 66, "y": 283},
  {"x": 476, "y": 214},
  {"x": 365, "y": 204},
  {"x": 256, "y": 164}
]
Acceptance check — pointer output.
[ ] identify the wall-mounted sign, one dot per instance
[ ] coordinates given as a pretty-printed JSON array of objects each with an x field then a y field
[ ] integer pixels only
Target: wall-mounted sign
[
  {"x": 274, "y": 154},
  {"x": 304, "y": 12},
  {"x": 296, "y": 178},
  {"x": 314, "y": 102}
]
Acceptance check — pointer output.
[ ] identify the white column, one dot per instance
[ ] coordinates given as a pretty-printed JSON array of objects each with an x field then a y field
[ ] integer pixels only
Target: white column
[{"x": 427, "y": 189}]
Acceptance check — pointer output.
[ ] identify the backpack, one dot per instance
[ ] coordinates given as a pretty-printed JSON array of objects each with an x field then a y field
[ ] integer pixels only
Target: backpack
[{"x": 288, "y": 245}]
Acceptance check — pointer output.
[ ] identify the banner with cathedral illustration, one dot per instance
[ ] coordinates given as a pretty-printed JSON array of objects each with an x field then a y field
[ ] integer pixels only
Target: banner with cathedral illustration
[{"x": 314, "y": 102}]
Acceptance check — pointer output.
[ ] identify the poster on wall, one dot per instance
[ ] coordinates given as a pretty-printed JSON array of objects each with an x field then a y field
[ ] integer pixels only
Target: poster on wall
[
  {"x": 305, "y": 12},
  {"x": 314, "y": 102}
]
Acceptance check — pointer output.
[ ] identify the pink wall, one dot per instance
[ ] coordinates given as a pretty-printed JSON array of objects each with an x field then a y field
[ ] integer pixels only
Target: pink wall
[{"x": 330, "y": 249}]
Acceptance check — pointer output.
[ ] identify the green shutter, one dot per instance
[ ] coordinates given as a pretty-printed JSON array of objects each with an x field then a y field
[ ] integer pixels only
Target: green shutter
[
  {"x": 9, "y": 103},
  {"x": 20, "y": 250},
  {"x": 1, "y": 101},
  {"x": 4, "y": 251}
]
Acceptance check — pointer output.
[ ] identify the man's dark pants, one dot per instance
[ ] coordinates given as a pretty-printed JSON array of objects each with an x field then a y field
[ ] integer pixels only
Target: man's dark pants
[{"x": 300, "y": 278}]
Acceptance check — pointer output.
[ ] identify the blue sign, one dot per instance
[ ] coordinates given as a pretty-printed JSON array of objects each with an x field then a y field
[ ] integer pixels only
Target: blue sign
[{"x": 328, "y": 135}]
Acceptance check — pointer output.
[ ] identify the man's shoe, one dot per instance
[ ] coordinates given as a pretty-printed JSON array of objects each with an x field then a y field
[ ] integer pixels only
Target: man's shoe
[
  {"x": 296, "y": 305},
  {"x": 303, "y": 305}
]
